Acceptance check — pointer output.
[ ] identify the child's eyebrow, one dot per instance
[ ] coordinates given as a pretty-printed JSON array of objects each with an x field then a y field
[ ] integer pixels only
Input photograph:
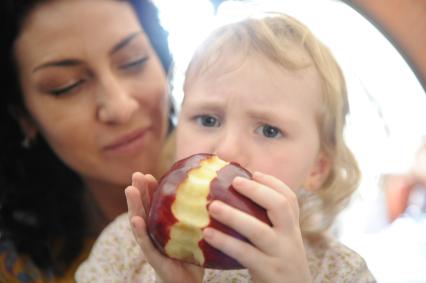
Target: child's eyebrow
[
  {"x": 205, "y": 102},
  {"x": 272, "y": 116}
]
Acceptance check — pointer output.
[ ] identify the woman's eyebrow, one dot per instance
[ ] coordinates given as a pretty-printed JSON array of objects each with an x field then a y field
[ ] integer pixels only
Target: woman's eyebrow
[
  {"x": 58, "y": 63},
  {"x": 124, "y": 42},
  {"x": 74, "y": 62}
]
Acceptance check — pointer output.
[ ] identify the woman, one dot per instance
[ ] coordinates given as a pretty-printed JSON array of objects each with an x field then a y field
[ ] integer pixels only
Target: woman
[{"x": 84, "y": 105}]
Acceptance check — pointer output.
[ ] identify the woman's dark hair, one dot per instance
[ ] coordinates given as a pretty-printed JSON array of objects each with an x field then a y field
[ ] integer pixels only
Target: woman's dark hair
[{"x": 41, "y": 200}]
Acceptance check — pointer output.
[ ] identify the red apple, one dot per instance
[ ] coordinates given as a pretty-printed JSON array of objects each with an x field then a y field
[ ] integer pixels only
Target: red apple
[{"x": 178, "y": 211}]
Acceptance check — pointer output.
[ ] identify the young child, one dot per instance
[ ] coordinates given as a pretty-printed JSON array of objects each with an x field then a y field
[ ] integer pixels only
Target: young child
[{"x": 267, "y": 94}]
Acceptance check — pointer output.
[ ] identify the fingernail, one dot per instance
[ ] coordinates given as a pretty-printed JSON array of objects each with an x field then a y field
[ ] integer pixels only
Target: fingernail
[
  {"x": 257, "y": 174},
  {"x": 208, "y": 233},
  {"x": 239, "y": 180},
  {"x": 214, "y": 208}
]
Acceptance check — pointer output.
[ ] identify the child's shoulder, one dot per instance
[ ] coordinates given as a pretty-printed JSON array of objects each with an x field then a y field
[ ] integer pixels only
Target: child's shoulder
[
  {"x": 330, "y": 260},
  {"x": 117, "y": 237},
  {"x": 115, "y": 256},
  {"x": 117, "y": 226}
]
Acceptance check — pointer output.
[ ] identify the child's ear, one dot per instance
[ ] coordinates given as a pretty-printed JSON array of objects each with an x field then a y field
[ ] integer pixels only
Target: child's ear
[{"x": 319, "y": 173}]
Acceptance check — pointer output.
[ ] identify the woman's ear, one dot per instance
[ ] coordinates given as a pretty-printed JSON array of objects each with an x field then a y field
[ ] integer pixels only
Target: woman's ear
[
  {"x": 26, "y": 123},
  {"x": 319, "y": 173}
]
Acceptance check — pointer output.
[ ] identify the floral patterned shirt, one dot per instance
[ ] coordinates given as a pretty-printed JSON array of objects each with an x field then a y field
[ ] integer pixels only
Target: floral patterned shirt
[{"x": 116, "y": 257}]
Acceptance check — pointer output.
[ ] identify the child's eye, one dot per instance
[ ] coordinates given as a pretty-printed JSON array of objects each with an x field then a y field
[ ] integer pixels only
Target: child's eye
[
  {"x": 135, "y": 64},
  {"x": 269, "y": 131},
  {"x": 67, "y": 89},
  {"x": 207, "y": 121}
]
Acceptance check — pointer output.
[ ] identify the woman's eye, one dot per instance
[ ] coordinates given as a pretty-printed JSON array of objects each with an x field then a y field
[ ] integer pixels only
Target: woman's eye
[
  {"x": 270, "y": 131},
  {"x": 207, "y": 121},
  {"x": 67, "y": 89},
  {"x": 135, "y": 64}
]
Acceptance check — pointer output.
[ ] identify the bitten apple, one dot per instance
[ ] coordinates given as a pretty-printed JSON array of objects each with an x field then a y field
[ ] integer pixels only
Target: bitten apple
[{"x": 178, "y": 212}]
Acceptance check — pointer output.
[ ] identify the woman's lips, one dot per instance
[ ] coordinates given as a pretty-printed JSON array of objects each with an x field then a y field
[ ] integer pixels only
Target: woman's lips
[{"x": 128, "y": 143}]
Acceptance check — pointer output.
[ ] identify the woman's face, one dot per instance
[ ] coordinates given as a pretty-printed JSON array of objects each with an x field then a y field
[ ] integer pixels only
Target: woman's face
[{"x": 94, "y": 88}]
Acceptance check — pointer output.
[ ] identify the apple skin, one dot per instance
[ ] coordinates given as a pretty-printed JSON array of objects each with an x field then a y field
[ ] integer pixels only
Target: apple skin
[{"x": 162, "y": 218}]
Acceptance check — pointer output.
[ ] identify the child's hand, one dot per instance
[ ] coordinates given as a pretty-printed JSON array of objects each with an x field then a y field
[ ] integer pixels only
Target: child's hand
[
  {"x": 277, "y": 253},
  {"x": 169, "y": 270}
]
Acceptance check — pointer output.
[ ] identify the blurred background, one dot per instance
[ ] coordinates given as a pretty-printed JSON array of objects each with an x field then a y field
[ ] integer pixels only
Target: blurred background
[{"x": 381, "y": 46}]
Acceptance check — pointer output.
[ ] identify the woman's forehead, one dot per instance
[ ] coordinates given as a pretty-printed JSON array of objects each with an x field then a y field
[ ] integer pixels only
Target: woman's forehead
[{"x": 52, "y": 30}]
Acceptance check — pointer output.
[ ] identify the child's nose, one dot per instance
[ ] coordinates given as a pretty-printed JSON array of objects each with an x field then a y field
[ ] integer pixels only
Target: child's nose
[
  {"x": 115, "y": 103},
  {"x": 232, "y": 148}
]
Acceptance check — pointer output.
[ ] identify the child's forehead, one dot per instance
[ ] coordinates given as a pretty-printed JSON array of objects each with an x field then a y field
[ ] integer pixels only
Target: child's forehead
[
  {"x": 247, "y": 66},
  {"x": 229, "y": 59},
  {"x": 259, "y": 79}
]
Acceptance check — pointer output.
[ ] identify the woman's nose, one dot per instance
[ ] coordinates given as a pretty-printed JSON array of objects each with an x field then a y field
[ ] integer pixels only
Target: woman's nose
[{"x": 115, "y": 102}]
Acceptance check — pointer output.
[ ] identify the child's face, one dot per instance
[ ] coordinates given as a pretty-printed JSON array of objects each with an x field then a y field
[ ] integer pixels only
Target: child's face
[{"x": 259, "y": 115}]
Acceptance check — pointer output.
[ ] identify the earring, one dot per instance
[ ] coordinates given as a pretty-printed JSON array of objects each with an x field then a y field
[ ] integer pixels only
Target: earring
[{"x": 26, "y": 142}]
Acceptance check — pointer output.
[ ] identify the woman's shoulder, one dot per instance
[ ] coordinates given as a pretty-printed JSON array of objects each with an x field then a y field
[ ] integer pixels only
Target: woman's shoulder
[
  {"x": 115, "y": 256},
  {"x": 332, "y": 261},
  {"x": 15, "y": 267}
]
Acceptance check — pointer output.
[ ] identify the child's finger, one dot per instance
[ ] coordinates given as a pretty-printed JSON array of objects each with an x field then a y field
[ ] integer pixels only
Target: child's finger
[
  {"x": 140, "y": 232},
  {"x": 146, "y": 185},
  {"x": 258, "y": 232},
  {"x": 134, "y": 202},
  {"x": 246, "y": 254},
  {"x": 281, "y": 210},
  {"x": 139, "y": 183},
  {"x": 137, "y": 179},
  {"x": 152, "y": 184},
  {"x": 275, "y": 184}
]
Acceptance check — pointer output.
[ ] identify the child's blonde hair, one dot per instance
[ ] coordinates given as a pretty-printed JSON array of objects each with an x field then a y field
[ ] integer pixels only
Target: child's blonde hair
[{"x": 287, "y": 42}]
